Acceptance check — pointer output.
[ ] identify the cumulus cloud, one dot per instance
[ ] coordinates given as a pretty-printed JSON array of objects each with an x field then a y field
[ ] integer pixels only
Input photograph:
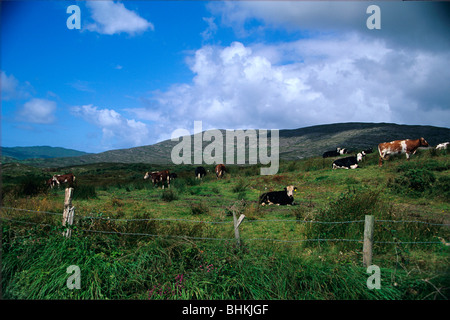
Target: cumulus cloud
[
  {"x": 112, "y": 18},
  {"x": 11, "y": 88},
  {"x": 307, "y": 82},
  {"x": 38, "y": 111},
  {"x": 117, "y": 131},
  {"x": 416, "y": 24}
]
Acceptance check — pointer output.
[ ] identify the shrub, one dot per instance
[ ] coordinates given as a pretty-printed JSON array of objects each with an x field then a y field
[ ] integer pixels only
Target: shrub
[
  {"x": 199, "y": 208},
  {"x": 31, "y": 186},
  {"x": 169, "y": 195},
  {"x": 350, "y": 206},
  {"x": 84, "y": 192},
  {"x": 441, "y": 188},
  {"x": 413, "y": 182}
]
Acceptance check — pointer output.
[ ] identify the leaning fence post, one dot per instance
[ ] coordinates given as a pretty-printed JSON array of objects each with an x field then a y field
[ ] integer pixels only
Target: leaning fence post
[
  {"x": 236, "y": 223},
  {"x": 368, "y": 240},
  {"x": 68, "y": 212}
]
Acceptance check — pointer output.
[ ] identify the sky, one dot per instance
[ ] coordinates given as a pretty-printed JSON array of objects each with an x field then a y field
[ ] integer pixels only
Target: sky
[{"x": 136, "y": 71}]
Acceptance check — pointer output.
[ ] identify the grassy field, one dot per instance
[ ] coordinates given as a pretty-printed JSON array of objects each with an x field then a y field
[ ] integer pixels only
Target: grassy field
[{"x": 126, "y": 250}]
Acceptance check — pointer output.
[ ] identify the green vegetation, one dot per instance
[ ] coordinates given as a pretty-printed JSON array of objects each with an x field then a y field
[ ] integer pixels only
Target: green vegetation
[{"x": 142, "y": 255}]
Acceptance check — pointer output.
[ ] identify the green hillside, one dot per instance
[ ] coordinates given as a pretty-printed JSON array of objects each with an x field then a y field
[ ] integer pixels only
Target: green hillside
[
  {"x": 294, "y": 143},
  {"x": 44, "y": 152}
]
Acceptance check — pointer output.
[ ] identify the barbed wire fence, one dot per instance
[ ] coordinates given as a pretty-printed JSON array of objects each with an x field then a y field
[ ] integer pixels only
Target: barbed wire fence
[{"x": 367, "y": 240}]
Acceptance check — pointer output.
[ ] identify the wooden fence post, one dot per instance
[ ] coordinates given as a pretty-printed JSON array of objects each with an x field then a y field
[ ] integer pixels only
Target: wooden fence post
[
  {"x": 237, "y": 222},
  {"x": 68, "y": 213},
  {"x": 368, "y": 240}
]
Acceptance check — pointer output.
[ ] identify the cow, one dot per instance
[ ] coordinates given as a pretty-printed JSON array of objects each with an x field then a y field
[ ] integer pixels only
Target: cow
[
  {"x": 367, "y": 151},
  {"x": 51, "y": 183},
  {"x": 57, "y": 179},
  {"x": 200, "y": 172},
  {"x": 407, "y": 146},
  {"x": 285, "y": 197},
  {"x": 173, "y": 176},
  {"x": 348, "y": 162},
  {"x": 442, "y": 146},
  {"x": 220, "y": 170},
  {"x": 159, "y": 176},
  {"x": 332, "y": 153},
  {"x": 342, "y": 150}
]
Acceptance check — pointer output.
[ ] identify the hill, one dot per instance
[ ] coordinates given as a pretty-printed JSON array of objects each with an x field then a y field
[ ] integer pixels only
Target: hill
[
  {"x": 43, "y": 152},
  {"x": 294, "y": 143}
]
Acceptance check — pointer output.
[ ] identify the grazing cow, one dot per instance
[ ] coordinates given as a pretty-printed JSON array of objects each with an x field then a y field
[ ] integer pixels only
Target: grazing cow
[
  {"x": 51, "y": 183},
  {"x": 285, "y": 197},
  {"x": 200, "y": 172},
  {"x": 333, "y": 153},
  {"x": 442, "y": 146},
  {"x": 69, "y": 178},
  {"x": 367, "y": 151},
  {"x": 348, "y": 162},
  {"x": 159, "y": 176},
  {"x": 220, "y": 170},
  {"x": 173, "y": 176},
  {"x": 407, "y": 146}
]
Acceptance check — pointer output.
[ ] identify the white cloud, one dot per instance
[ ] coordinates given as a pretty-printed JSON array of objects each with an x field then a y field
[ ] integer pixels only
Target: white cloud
[
  {"x": 11, "y": 89},
  {"x": 307, "y": 82},
  {"x": 113, "y": 18},
  {"x": 38, "y": 111},
  {"x": 209, "y": 32},
  {"x": 118, "y": 132}
]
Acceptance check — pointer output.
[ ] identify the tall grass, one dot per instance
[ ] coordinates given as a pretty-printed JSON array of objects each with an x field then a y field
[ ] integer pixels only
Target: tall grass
[{"x": 163, "y": 269}]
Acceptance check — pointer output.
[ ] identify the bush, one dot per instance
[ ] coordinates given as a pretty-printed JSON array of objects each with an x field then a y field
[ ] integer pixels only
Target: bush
[
  {"x": 199, "y": 208},
  {"x": 350, "y": 206},
  {"x": 84, "y": 192},
  {"x": 31, "y": 186},
  {"x": 441, "y": 188},
  {"x": 169, "y": 195},
  {"x": 413, "y": 182}
]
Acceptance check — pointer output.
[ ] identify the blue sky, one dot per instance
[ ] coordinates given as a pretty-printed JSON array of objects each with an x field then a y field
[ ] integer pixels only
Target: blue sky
[{"x": 138, "y": 70}]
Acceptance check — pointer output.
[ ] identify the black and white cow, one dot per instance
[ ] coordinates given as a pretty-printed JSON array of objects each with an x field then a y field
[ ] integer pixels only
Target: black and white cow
[
  {"x": 332, "y": 153},
  {"x": 285, "y": 197},
  {"x": 342, "y": 150},
  {"x": 200, "y": 172},
  {"x": 173, "y": 176},
  {"x": 348, "y": 162},
  {"x": 367, "y": 151}
]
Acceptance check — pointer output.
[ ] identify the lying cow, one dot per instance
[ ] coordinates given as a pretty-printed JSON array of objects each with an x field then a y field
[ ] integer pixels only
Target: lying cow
[
  {"x": 159, "y": 176},
  {"x": 285, "y": 197},
  {"x": 332, "y": 153},
  {"x": 200, "y": 172},
  {"x": 58, "y": 179},
  {"x": 342, "y": 150},
  {"x": 348, "y": 162},
  {"x": 407, "y": 146},
  {"x": 367, "y": 151},
  {"x": 220, "y": 170}
]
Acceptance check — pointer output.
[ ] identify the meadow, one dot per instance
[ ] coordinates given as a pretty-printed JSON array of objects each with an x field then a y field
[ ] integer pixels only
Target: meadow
[{"x": 132, "y": 240}]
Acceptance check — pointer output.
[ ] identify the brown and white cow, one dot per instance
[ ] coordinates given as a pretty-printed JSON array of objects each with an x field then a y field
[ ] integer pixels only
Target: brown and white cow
[
  {"x": 58, "y": 179},
  {"x": 220, "y": 170},
  {"x": 159, "y": 176},
  {"x": 407, "y": 146},
  {"x": 51, "y": 183}
]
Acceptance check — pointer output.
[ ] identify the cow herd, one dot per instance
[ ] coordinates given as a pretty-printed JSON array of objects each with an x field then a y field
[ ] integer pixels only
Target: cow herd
[{"x": 286, "y": 196}]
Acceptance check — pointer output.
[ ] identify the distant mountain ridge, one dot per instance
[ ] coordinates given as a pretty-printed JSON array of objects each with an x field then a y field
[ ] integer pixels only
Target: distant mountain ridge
[
  {"x": 43, "y": 152},
  {"x": 294, "y": 143}
]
